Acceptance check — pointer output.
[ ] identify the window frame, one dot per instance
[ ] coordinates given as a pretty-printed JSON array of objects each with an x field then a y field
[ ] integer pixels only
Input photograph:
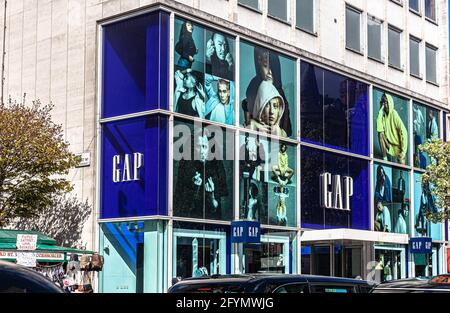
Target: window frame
[
  {"x": 382, "y": 44},
  {"x": 288, "y": 21},
  {"x": 419, "y": 12},
  {"x": 435, "y": 49},
  {"x": 401, "y": 66},
  {"x": 419, "y": 42},
  {"x": 429, "y": 19},
  {"x": 249, "y": 7},
  {"x": 314, "y": 31},
  {"x": 361, "y": 29}
]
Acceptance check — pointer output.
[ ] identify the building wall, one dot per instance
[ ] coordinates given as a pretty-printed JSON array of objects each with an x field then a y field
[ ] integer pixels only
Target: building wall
[{"x": 51, "y": 55}]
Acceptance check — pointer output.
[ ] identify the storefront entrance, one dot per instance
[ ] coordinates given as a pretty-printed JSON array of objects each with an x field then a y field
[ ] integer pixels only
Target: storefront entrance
[
  {"x": 426, "y": 263},
  {"x": 391, "y": 263},
  {"x": 340, "y": 259},
  {"x": 270, "y": 256},
  {"x": 196, "y": 254}
]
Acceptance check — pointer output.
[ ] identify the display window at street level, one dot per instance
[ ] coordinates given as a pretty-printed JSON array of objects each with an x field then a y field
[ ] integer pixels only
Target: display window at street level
[
  {"x": 424, "y": 205},
  {"x": 274, "y": 254},
  {"x": 267, "y": 91},
  {"x": 267, "y": 180},
  {"x": 390, "y": 264},
  {"x": 335, "y": 191},
  {"x": 426, "y": 125},
  {"x": 202, "y": 171},
  {"x": 199, "y": 250},
  {"x": 391, "y": 199},
  {"x": 135, "y": 65},
  {"x": 334, "y": 110},
  {"x": 134, "y": 165},
  {"x": 130, "y": 250},
  {"x": 204, "y": 72},
  {"x": 390, "y": 127}
]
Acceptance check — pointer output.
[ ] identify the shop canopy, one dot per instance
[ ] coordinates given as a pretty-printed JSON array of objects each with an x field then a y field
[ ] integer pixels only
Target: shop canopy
[
  {"x": 353, "y": 234},
  {"x": 46, "y": 248}
]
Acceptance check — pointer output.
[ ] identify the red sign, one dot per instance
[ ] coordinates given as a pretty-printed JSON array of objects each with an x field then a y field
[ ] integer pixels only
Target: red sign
[{"x": 448, "y": 261}]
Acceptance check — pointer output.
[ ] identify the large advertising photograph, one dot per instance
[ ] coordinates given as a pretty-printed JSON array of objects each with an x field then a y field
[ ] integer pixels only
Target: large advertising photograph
[
  {"x": 391, "y": 199},
  {"x": 202, "y": 171},
  {"x": 267, "y": 91},
  {"x": 391, "y": 127},
  {"x": 268, "y": 184},
  {"x": 425, "y": 129},
  {"x": 204, "y": 73},
  {"x": 424, "y": 204}
]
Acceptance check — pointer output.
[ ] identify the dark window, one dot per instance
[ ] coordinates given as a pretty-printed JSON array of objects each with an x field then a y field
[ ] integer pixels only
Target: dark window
[
  {"x": 414, "y": 56},
  {"x": 251, "y": 3},
  {"x": 334, "y": 110},
  {"x": 414, "y": 5},
  {"x": 430, "y": 9},
  {"x": 305, "y": 15},
  {"x": 394, "y": 46},
  {"x": 353, "y": 29},
  {"x": 431, "y": 53},
  {"x": 279, "y": 9},
  {"x": 374, "y": 34}
]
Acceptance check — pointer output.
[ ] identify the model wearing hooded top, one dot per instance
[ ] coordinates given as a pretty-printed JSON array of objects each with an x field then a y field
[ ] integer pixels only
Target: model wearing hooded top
[
  {"x": 220, "y": 105},
  {"x": 185, "y": 46},
  {"x": 392, "y": 134},
  {"x": 268, "y": 68},
  {"x": 219, "y": 61},
  {"x": 189, "y": 94},
  {"x": 267, "y": 110}
]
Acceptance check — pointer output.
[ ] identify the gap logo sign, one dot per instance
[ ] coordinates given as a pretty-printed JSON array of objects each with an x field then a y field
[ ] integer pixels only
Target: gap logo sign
[
  {"x": 420, "y": 245},
  {"x": 245, "y": 232}
]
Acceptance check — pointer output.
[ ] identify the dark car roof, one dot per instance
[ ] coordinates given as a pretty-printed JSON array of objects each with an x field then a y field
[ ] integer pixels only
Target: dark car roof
[
  {"x": 441, "y": 282},
  {"x": 255, "y": 279},
  {"x": 16, "y": 278}
]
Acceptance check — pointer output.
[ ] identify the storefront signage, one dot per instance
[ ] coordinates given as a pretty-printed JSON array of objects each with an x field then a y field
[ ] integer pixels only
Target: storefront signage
[
  {"x": 26, "y": 242},
  {"x": 27, "y": 259},
  {"x": 245, "y": 232},
  {"x": 48, "y": 256},
  {"x": 126, "y": 167},
  {"x": 420, "y": 245},
  {"x": 335, "y": 191}
]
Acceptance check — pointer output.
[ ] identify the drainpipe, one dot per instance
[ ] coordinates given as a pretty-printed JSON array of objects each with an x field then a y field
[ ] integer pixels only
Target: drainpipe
[{"x": 3, "y": 53}]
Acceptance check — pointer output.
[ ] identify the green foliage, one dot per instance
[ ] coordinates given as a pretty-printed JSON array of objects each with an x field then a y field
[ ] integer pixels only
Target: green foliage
[
  {"x": 438, "y": 174},
  {"x": 34, "y": 159}
]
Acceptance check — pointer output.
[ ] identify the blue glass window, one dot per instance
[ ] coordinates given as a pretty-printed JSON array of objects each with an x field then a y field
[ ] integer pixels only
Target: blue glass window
[
  {"x": 334, "y": 110},
  {"x": 135, "y": 65}
]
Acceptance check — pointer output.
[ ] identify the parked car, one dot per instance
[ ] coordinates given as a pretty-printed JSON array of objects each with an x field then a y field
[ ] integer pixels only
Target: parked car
[
  {"x": 19, "y": 279},
  {"x": 436, "y": 284},
  {"x": 270, "y": 283}
]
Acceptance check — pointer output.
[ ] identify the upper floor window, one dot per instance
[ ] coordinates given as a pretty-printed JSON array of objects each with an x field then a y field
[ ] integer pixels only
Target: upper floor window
[
  {"x": 430, "y": 9},
  {"x": 305, "y": 15},
  {"x": 353, "y": 18},
  {"x": 279, "y": 9},
  {"x": 250, "y": 3},
  {"x": 414, "y": 5},
  {"x": 374, "y": 38},
  {"x": 394, "y": 47},
  {"x": 414, "y": 57},
  {"x": 431, "y": 63}
]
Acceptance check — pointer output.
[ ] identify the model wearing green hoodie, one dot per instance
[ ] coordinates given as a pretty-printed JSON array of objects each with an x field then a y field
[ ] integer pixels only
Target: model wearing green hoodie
[{"x": 392, "y": 134}]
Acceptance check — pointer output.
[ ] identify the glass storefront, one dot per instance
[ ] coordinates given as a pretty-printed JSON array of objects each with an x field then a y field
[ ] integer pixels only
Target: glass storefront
[{"x": 222, "y": 152}]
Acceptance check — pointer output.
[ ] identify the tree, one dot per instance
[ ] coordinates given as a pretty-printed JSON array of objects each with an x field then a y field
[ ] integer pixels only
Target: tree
[
  {"x": 438, "y": 174},
  {"x": 63, "y": 220},
  {"x": 34, "y": 160}
]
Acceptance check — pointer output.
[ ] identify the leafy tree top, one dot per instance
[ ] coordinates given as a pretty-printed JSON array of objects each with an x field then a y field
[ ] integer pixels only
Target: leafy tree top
[{"x": 34, "y": 159}]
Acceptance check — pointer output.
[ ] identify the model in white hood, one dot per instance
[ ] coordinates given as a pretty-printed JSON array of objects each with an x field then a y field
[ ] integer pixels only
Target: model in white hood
[{"x": 268, "y": 110}]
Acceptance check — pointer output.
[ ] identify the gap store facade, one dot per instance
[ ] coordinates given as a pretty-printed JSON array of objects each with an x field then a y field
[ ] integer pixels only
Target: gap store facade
[{"x": 200, "y": 127}]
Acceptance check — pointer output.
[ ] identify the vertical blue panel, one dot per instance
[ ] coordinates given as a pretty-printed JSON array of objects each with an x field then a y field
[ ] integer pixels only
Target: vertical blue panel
[
  {"x": 135, "y": 198},
  {"x": 135, "y": 65}
]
